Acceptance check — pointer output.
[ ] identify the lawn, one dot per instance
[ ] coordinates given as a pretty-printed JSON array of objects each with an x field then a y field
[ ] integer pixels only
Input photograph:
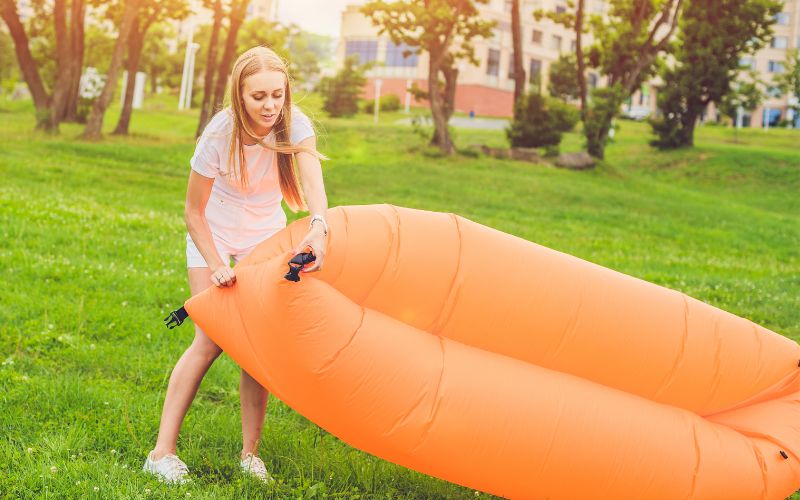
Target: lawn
[{"x": 92, "y": 253}]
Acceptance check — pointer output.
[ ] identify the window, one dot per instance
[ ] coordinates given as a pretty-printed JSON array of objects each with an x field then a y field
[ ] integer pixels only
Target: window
[
  {"x": 775, "y": 67},
  {"x": 774, "y": 92},
  {"x": 779, "y": 42},
  {"x": 782, "y": 18},
  {"x": 493, "y": 62},
  {"x": 536, "y": 37},
  {"x": 747, "y": 62},
  {"x": 507, "y": 5},
  {"x": 365, "y": 50},
  {"x": 535, "y": 72},
  {"x": 771, "y": 116},
  {"x": 556, "y": 45},
  {"x": 396, "y": 55},
  {"x": 592, "y": 80},
  {"x": 573, "y": 46},
  {"x": 560, "y": 9}
]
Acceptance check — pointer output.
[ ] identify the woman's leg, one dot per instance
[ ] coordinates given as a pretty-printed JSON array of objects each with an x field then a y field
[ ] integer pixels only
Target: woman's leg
[
  {"x": 186, "y": 376},
  {"x": 253, "y": 399}
]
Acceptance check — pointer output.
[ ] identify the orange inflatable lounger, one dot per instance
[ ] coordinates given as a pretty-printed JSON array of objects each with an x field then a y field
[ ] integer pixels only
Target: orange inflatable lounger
[{"x": 489, "y": 361}]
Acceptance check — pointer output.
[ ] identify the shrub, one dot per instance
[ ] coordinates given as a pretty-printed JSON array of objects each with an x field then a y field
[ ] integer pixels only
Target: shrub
[
  {"x": 540, "y": 121},
  {"x": 388, "y": 102},
  {"x": 340, "y": 92}
]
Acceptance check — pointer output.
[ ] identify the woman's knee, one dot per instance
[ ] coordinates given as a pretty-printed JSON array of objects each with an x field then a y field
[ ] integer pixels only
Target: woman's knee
[{"x": 203, "y": 347}]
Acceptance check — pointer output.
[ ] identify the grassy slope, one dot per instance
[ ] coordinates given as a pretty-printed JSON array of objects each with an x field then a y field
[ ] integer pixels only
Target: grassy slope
[{"x": 92, "y": 258}]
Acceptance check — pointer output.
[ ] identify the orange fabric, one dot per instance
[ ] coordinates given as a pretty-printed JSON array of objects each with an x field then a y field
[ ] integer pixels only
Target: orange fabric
[{"x": 492, "y": 362}]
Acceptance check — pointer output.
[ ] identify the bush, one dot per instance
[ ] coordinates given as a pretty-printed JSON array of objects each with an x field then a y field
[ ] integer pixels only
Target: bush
[
  {"x": 388, "y": 102},
  {"x": 540, "y": 121},
  {"x": 340, "y": 92}
]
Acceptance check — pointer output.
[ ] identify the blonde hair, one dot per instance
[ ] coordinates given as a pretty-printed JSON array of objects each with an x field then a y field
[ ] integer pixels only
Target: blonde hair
[{"x": 249, "y": 63}]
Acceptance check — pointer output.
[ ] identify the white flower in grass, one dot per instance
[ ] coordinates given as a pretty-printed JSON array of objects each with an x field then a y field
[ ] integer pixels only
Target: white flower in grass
[
  {"x": 24, "y": 377},
  {"x": 51, "y": 326},
  {"x": 147, "y": 491},
  {"x": 106, "y": 404},
  {"x": 96, "y": 488},
  {"x": 188, "y": 494},
  {"x": 124, "y": 466},
  {"x": 148, "y": 336},
  {"x": 91, "y": 346},
  {"x": 30, "y": 450},
  {"x": 77, "y": 483},
  {"x": 9, "y": 361},
  {"x": 53, "y": 469},
  {"x": 72, "y": 457},
  {"x": 113, "y": 451}
]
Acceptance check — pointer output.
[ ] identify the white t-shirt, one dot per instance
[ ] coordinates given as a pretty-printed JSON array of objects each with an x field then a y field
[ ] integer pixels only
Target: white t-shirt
[{"x": 239, "y": 217}]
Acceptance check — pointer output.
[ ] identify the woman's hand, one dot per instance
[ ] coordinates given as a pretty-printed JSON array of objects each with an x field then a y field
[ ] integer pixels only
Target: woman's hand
[
  {"x": 318, "y": 241},
  {"x": 223, "y": 276}
]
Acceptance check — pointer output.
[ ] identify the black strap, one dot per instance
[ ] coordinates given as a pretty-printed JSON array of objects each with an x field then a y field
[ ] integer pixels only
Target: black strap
[
  {"x": 176, "y": 318},
  {"x": 297, "y": 263}
]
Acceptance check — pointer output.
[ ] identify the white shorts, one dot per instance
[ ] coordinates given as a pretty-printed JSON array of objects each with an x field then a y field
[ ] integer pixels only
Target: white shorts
[{"x": 195, "y": 259}]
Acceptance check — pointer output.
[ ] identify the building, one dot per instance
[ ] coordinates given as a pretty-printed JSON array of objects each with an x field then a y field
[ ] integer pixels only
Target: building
[{"x": 487, "y": 89}]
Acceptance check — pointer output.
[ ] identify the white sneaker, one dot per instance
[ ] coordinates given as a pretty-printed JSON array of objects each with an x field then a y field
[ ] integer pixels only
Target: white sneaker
[
  {"x": 254, "y": 466},
  {"x": 169, "y": 468}
]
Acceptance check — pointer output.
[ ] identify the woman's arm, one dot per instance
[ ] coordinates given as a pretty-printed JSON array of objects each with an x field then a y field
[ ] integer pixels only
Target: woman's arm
[
  {"x": 316, "y": 200},
  {"x": 197, "y": 195}
]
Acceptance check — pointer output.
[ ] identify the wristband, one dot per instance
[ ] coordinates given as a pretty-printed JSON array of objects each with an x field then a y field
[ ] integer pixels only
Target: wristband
[{"x": 322, "y": 220}]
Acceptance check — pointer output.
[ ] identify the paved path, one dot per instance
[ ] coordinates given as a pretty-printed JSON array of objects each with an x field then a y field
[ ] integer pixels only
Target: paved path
[{"x": 466, "y": 122}]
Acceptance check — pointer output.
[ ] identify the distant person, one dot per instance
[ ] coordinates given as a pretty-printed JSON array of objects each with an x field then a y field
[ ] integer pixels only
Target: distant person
[
  {"x": 471, "y": 113},
  {"x": 243, "y": 166}
]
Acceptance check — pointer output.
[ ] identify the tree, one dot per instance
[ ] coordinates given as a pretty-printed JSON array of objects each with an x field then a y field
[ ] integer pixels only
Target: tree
[
  {"x": 150, "y": 12},
  {"x": 706, "y": 60},
  {"x": 540, "y": 121},
  {"x": 789, "y": 81},
  {"x": 211, "y": 65},
  {"x": 516, "y": 35},
  {"x": 340, "y": 92},
  {"x": 50, "y": 107},
  {"x": 745, "y": 94},
  {"x": 236, "y": 17},
  {"x": 94, "y": 123},
  {"x": 564, "y": 78},
  {"x": 443, "y": 28}
]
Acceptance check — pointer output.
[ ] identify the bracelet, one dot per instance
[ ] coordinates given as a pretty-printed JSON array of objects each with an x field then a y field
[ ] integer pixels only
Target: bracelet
[{"x": 322, "y": 220}]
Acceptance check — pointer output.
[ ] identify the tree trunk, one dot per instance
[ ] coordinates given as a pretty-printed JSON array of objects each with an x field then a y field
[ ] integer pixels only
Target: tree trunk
[
  {"x": 237, "y": 16},
  {"x": 579, "y": 57},
  {"x": 516, "y": 34},
  {"x": 8, "y": 11},
  {"x": 211, "y": 62},
  {"x": 135, "y": 44},
  {"x": 61, "y": 86},
  {"x": 77, "y": 21},
  {"x": 441, "y": 135},
  {"x": 94, "y": 124}
]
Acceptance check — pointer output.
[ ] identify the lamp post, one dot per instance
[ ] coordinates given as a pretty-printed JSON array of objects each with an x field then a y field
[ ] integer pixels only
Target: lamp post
[
  {"x": 185, "y": 99},
  {"x": 377, "y": 106}
]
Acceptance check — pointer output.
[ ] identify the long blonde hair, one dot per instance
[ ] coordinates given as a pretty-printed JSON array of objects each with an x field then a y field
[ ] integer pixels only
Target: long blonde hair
[{"x": 249, "y": 63}]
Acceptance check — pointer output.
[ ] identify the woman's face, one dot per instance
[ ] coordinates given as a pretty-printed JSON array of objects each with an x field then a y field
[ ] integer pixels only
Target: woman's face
[{"x": 264, "y": 94}]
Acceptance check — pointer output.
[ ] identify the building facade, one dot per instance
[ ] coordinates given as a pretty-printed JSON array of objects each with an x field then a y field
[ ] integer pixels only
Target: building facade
[{"x": 487, "y": 89}]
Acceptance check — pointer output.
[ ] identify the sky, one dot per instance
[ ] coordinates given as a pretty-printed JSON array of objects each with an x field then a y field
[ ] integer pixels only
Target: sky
[{"x": 318, "y": 16}]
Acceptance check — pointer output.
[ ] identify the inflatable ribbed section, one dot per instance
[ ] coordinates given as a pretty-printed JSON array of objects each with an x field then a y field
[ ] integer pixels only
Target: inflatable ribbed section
[{"x": 489, "y": 361}]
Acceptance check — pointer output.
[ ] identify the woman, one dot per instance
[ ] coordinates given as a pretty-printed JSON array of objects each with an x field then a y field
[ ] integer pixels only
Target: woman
[{"x": 242, "y": 167}]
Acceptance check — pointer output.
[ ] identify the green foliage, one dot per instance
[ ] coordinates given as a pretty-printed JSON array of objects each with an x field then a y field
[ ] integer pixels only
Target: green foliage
[
  {"x": 706, "y": 60},
  {"x": 604, "y": 106},
  {"x": 9, "y": 70},
  {"x": 540, "y": 121},
  {"x": 746, "y": 93},
  {"x": 341, "y": 91},
  {"x": 789, "y": 80},
  {"x": 564, "y": 78},
  {"x": 387, "y": 102}
]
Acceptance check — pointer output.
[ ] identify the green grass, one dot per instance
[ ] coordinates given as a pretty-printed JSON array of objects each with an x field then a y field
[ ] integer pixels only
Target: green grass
[{"x": 92, "y": 257}]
